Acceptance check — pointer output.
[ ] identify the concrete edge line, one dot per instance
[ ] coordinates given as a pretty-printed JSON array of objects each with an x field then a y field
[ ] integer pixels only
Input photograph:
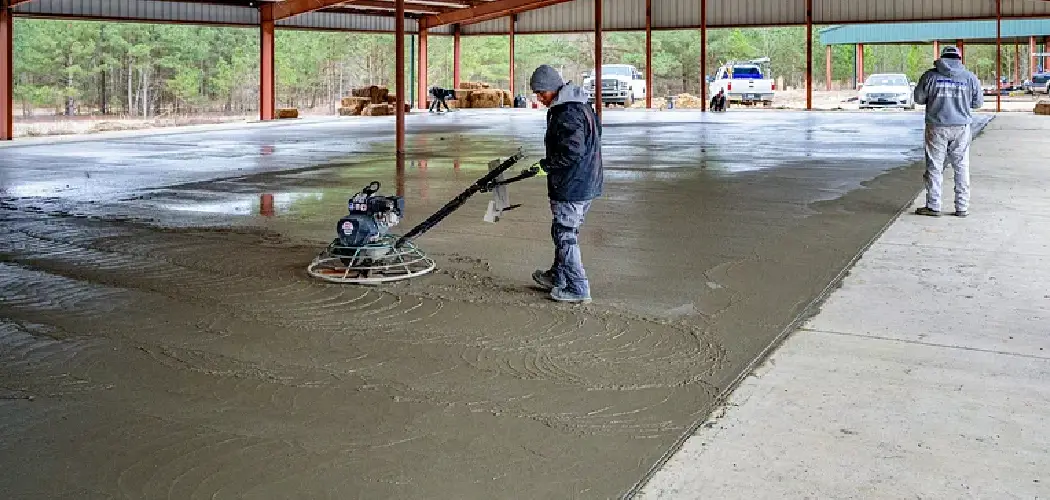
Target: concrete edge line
[{"x": 795, "y": 325}]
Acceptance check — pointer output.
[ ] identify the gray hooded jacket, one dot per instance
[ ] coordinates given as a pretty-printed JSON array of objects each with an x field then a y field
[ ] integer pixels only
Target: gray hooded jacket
[
  {"x": 950, "y": 92},
  {"x": 574, "y": 152}
]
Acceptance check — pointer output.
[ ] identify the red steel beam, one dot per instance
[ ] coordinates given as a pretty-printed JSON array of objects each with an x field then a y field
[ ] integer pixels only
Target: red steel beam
[
  {"x": 484, "y": 12},
  {"x": 513, "y": 20},
  {"x": 703, "y": 56},
  {"x": 421, "y": 88},
  {"x": 936, "y": 50},
  {"x": 7, "y": 80},
  {"x": 809, "y": 55},
  {"x": 648, "y": 54},
  {"x": 275, "y": 11},
  {"x": 456, "y": 57},
  {"x": 1017, "y": 62},
  {"x": 827, "y": 68},
  {"x": 267, "y": 73},
  {"x": 860, "y": 64},
  {"x": 998, "y": 55},
  {"x": 399, "y": 77},
  {"x": 962, "y": 50},
  {"x": 598, "y": 58},
  {"x": 413, "y": 7},
  {"x": 13, "y": 3},
  {"x": 1031, "y": 58}
]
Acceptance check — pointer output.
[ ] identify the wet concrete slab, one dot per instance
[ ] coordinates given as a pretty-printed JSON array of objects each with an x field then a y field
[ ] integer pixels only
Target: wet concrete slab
[{"x": 157, "y": 285}]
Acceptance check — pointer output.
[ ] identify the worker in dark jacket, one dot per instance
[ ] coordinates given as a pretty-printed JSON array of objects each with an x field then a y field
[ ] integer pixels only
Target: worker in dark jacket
[{"x": 573, "y": 165}]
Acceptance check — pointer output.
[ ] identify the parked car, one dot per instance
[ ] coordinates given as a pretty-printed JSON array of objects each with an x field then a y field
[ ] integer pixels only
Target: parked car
[
  {"x": 744, "y": 83},
  {"x": 1039, "y": 84},
  {"x": 621, "y": 84},
  {"x": 888, "y": 90}
]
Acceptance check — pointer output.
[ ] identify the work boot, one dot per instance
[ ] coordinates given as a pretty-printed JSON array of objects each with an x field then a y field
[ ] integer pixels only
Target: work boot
[
  {"x": 961, "y": 213},
  {"x": 928, "y": 211},
  {"x": 544, "y": 279},
  {"x": 562, "y": 295}
]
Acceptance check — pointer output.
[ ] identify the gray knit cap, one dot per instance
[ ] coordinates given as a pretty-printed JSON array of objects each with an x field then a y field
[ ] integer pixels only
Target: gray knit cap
[{"x": 545, "y": 79}]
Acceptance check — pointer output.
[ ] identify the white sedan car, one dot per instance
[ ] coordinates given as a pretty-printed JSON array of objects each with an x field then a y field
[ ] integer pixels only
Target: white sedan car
[{"x": 887, "y": 91}]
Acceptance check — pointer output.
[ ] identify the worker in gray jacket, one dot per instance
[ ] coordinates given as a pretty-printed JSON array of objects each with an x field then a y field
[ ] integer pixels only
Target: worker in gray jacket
[{"x": 950, "y": 92}]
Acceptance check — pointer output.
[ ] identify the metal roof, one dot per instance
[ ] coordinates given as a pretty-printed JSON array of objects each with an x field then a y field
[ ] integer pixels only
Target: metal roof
[
  {"x": 971, "y": 31},
  {"x": 571, "y": 16}
]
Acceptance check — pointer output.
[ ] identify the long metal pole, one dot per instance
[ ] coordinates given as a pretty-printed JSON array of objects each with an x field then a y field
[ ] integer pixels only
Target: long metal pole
[
  {"x": 827, "y": 68},
  {"x": 1017, "y": 62},
  {"x": 423, "y": 70},
  {"x": 411, "y": 69},
  {"x": 7, "y": 108},
  {"x": 860, "y": 64},
  {"x": 936, "y": 50},
  {"x": 809, "y": 55},
  {"x": 455, "y": 58},
  {"x": 703, "y": 56},
  {"x": 1031, "y": 58},
  {"x": 998, "y": 55},
  {"x": 598, "y": 58},
  {"x": 399, "y": 76},
  {"x": 267, "y": 74},
  {"x": 649, "y": 54},
  {"x": 513, "y": 20}
]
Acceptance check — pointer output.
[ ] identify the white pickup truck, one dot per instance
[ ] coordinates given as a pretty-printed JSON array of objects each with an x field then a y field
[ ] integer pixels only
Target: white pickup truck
[
  {"x": 621, "y": 84},
  {"x": 744, "y": 83}
]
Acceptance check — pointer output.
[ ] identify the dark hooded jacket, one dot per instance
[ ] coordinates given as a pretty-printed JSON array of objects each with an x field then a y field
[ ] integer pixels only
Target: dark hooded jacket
[{"x": 574, "y": 152}]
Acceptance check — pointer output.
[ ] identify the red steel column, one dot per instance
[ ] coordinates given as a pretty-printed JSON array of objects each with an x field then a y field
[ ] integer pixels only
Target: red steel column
[
  {"x": 998, "y": 55},
  {"x": 703, "y": 56},
  {"x": 598, "y": 57},
  {"x": 267, "y": 80},
  {"x": 809, "y": 55},
  {"x": 7, "y": 80},
  {"x": 827, "y": 68},
  {"x": 455, "y": 57},
  {"x": 1046, "y": 59},
  {"x": 513, "y": 21},
  {"x": 648, "y": 54},
  {"x": 421, "y": 84},
  {"x": 962, "y": 50},
  {"x": 936, "y": 50},
  {"x": 399, "y": 77},
  {"x": 1017, "y": 62},
  {"x": 1031, "y": 58},
  {"x": 860, "y": 64}
]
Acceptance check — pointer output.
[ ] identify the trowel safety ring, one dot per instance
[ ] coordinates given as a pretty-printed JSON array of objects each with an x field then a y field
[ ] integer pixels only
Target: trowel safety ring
[{"x": 371, "y": 264}]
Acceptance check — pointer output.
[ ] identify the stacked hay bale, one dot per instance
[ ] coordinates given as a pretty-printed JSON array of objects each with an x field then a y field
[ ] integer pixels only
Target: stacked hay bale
[
  {"x": 688, "y": 101},
  {"x": 480, "y": 95},
  {"x": 1042, "y": 107},
  {"x": 369, "y": 101},
  {"x": 483, "y": 99},
  {"x": 287, "y": 113}
]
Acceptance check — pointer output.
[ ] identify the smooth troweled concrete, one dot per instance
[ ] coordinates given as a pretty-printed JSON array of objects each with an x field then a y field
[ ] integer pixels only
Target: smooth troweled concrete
[
  {"x": 927, "y": 375},
  {"x": 159, "y": 336}
]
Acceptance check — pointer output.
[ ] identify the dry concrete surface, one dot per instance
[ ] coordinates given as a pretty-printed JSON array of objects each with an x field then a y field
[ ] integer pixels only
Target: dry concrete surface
[
  {"x": 927, "y": 375},
  {"x": 159, "y": 337}
]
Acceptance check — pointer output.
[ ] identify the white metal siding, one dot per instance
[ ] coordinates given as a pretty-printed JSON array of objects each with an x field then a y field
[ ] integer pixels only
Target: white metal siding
[
  {"x": 148, "y": 10},
  {"x": 344, "y": 21},
  {"x": 1019, "y": 8},
  {"x": 856, "y": 11}
]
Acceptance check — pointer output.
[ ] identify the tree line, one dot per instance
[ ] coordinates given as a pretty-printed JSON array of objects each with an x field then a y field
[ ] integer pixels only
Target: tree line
[{"x": 134, "y": 69}]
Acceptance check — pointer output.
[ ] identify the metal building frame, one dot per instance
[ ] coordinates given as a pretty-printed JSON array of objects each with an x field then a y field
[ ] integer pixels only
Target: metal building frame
[{"x": 494, "y": 17}]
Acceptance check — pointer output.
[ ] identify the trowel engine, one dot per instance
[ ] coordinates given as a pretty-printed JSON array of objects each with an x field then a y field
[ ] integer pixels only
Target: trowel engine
[{"x": 370, "y": 218}]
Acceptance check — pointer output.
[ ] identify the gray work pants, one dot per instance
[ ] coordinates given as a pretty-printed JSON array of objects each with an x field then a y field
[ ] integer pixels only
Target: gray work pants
[
  {"x": 568, "y": 270},
  {"x": 952, "y": 144}
]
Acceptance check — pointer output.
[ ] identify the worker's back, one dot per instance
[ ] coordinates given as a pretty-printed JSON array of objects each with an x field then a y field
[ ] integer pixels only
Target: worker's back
[{"x": 950, "y": 92}]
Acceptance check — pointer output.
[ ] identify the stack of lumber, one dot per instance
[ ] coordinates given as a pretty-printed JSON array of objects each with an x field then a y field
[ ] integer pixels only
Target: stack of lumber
[
  {"x": 286, "y": 113},
  {"x": 1042, "y": 107}
]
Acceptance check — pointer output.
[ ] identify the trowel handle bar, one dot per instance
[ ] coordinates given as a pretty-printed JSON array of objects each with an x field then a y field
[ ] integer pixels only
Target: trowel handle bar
[
  {"x": 525, "y": 174},
  {"x": 458, "y": 201}
]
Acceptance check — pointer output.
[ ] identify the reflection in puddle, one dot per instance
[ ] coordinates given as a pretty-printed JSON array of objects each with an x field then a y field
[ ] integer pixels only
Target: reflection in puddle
[{"x": 266, "y": 204}]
